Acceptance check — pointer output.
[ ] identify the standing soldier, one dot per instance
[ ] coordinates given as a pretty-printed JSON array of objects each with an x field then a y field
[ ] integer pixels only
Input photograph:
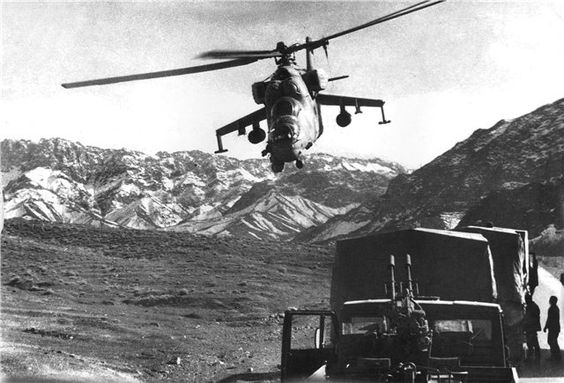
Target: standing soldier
[
  {"x": 553, "y": 327},
  {"x": 531, "y": 324}
]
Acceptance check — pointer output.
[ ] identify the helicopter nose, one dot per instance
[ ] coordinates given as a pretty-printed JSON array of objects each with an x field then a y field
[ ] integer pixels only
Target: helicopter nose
[
  {"x": 283, "y": 133},
  {"x": 285, "y": 129}
]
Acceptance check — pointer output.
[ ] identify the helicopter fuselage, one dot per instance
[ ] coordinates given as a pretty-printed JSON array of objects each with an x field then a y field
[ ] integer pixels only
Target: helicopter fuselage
[{"x": 292, "y": 116}]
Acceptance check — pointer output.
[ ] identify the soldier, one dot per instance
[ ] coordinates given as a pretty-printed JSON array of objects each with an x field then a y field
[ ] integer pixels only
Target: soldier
[
  {"x": 531, "y": 324},
  {"x": 553, "y": 327}
]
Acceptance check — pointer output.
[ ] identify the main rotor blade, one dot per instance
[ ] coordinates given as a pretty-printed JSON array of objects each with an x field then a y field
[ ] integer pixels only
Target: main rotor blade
[
  {"x": 402, "y": 12},
  {"x": 238, "y": 54},
  {"x": 164, "y": 73},
  {"x": 393, "y": 15}
]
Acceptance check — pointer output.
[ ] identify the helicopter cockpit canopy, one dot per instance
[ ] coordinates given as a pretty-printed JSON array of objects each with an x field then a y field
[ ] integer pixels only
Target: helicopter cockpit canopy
[{"x": 285, "y": 106}]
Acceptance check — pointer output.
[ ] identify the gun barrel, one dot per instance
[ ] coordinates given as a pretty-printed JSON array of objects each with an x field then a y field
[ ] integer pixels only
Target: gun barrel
[
  {"x": 408, "y": 269},
  {"x": 391, "y": 267}
]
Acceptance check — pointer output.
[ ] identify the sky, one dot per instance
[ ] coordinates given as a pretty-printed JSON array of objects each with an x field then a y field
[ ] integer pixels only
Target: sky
[{"x": 443, "y": 72}]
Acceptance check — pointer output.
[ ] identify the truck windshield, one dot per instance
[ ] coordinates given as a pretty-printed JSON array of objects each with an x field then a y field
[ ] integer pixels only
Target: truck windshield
[
  {"x": 476, "y": 329},
  {"x": 365, "y": 325},
  {"x": 468, "y": 339}
]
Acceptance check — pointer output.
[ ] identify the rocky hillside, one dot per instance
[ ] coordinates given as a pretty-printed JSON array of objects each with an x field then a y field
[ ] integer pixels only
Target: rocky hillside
[
  {"x": 532, "y": 205},
  {"x": 61, "y": 181},
  {"x": 519, "y": 161}
]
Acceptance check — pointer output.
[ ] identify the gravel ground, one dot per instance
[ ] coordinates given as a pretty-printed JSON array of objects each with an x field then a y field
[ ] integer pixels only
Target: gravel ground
[{"x": 88, "y": 305}]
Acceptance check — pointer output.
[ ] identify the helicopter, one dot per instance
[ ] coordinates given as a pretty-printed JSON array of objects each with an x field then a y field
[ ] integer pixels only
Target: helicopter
[{"x": 292, "y": 96}]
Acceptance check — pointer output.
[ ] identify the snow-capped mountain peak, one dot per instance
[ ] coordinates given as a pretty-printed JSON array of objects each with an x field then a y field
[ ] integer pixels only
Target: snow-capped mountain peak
[{"x": 60, "y": 180}]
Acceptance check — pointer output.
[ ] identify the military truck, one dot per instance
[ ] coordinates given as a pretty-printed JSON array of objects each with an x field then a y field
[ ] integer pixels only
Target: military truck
[{"x": 445, "y": 325}]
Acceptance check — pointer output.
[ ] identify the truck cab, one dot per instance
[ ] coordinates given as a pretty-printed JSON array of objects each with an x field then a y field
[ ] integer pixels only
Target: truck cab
[{"x": 357, "y": 344}]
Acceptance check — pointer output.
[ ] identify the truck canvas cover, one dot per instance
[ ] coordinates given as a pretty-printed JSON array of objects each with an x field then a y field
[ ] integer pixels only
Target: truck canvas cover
[
  {"x": 509, "y": 260},
  {"x": 446, "y": 264}
]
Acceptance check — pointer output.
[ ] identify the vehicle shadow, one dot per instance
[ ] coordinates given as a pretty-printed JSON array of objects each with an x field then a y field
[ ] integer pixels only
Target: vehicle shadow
[
  {"x": 546, "y": 368},
  {"x": 251, "y": 377}
]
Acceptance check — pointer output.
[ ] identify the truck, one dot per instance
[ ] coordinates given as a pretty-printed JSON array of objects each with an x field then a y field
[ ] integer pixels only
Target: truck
[{"x": 458, "y": 320}]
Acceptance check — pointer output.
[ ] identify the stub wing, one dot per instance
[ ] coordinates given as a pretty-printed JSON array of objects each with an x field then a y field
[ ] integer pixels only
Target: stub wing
[
  {"x": 239, "y": 126},
  {"x": 357, "y": 102},
  {"x": 333, "y": 99}
]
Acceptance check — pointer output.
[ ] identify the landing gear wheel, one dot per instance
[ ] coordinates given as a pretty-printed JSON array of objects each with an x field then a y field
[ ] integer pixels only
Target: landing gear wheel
[
  {"x": 299, "y": 164},
  {"x": 277, "y": 167}
]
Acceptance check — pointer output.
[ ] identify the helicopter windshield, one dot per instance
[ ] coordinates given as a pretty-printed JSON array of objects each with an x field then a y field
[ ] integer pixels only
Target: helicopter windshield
[{"x": 285, "y": 106}]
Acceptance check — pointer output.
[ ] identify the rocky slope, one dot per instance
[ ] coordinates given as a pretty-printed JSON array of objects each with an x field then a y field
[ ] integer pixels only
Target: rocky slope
[
  {"x": 61, "y": 181},
  {"x": 532, "y": 205},
  {"x": 516, "y": 159}
]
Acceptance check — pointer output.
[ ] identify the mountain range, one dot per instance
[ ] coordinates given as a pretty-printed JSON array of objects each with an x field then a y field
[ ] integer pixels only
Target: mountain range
[
  {"x": 58, "y": 180},
  {"x": 510, "y": 174}
]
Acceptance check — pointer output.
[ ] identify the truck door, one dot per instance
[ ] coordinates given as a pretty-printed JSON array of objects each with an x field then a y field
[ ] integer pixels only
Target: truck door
[{"x": 308, "y": 340}]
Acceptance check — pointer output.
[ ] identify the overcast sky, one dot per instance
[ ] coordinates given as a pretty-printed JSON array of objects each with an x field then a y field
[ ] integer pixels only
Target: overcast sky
[{"x": 443, "y": 72}]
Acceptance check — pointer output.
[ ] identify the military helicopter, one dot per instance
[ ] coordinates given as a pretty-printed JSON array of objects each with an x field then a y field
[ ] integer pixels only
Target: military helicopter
[{"x": 291, "y": 96}]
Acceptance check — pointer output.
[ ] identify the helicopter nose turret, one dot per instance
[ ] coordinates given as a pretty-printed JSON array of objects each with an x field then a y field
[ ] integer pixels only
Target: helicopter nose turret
[
  {"x": 285, "y": 128},
  {"x": 283, "y": 133}
]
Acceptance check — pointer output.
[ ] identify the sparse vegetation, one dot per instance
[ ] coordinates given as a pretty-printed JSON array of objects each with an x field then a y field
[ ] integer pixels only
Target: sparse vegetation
[{"x": 133, "y": 301}]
